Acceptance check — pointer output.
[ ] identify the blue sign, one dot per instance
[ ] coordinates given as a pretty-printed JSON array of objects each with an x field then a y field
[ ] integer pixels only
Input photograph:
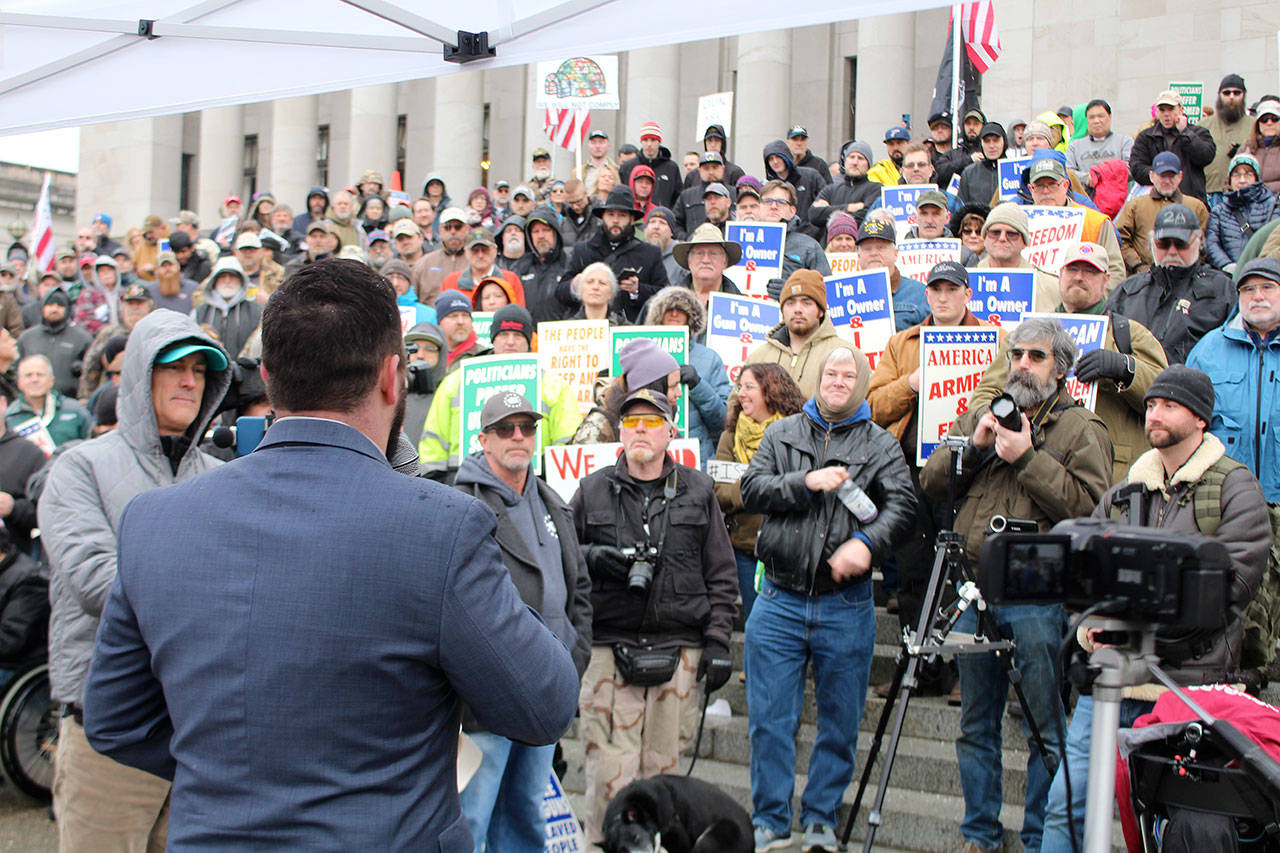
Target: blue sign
[
  {"x": 762, "y": 245},
  {"x": 736, "y": 325},
  {"x": 1010, "y": 169},
  {"x": 901, "y": 202},
  {"x": 860, "y": 306},
  {"x": 1088, "y": 331},
  {"x": 1002, "y": 296}
]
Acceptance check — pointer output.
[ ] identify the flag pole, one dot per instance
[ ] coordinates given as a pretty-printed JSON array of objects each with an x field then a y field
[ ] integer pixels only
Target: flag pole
[
  {"x": 577, "y": 149},
  {"x": 957, "y": 119}
]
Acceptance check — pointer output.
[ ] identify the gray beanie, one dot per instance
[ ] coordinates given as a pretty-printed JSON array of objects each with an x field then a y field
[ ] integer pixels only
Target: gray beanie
[
  {"x": 1186, "y": 385},
  {"x": 857, "y": 145},
  {"x": 643, "y": 361}
]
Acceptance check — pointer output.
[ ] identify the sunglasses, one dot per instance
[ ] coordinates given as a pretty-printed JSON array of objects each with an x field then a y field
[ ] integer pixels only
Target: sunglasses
[
  {"x": 1036, "y": 355},
  {"x": 452, "y": 226},
  {"x": 1268, "y": 119},
  {"x": 1002, "y": 234},
  {"x": 1166, "y": 243},
  {"x": 1232, "y": 93},
  {"x": 649, "y": 421},
  {"x": 506, "y": 429},
  {"x": 971, "y": 230}
]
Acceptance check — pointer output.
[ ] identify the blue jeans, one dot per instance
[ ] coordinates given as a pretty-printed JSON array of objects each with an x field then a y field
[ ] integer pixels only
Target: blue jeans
[
  {"x": 1079, "y": 740},
  {"x": 503, "y": 800},
  {"x": 1037, "y": 631},
  {"x": 786, "y": 629},
  {"x": 746, "y": 580}
]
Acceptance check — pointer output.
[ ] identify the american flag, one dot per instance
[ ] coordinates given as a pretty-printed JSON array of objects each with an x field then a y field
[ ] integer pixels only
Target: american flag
[
  {"x": 567, "y": 128},
  {"x": 42, "y": 231},
  {"x": 978, "y": 27}
]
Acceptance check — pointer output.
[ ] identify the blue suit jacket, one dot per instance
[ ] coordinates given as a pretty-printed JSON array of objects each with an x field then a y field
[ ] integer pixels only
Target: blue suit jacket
[{"x": 288, "y": 637}]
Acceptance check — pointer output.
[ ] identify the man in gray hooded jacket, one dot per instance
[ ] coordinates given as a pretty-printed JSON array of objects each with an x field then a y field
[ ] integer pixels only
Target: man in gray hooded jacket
[{"x": 174, "y": 377}]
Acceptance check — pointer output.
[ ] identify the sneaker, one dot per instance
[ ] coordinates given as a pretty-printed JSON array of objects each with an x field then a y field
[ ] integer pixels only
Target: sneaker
[
  {"x": 971, "y": 847},
  {"x": 819, "y": 839},
  {"x": 767, "y": 839}
]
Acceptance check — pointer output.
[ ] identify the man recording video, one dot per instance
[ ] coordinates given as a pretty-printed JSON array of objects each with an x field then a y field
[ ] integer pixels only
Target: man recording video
[
  {"x": 1046, "y": 460},
  {"x": 1186, "y": 484}
]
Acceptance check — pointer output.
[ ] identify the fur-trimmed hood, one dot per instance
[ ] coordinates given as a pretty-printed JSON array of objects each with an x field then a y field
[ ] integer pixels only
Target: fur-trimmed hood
[{"x": 682, "y": 299}]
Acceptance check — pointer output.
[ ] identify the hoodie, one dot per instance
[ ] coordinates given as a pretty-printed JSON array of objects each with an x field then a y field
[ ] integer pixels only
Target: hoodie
[
  {"x": 840, "y": 194},
  {"x": 807, "y": 183},
  {"x": 668, "y": 178},
  {"x": 232, "y": 320},
  {"x": 980, "y": 181},
  {"x": 732, "y": 171},
  {"x": 302, "y": 221},
  {"x": 90, "y": 485},
  {"x": 539, "y": 275}
]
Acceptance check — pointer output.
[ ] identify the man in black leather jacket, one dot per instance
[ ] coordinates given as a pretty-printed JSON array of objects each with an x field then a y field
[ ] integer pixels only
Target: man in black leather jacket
[{"x": 817, "y": 543}]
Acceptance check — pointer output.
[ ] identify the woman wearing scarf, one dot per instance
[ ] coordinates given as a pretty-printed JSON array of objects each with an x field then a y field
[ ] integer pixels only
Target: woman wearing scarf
[
  {"x": 766, "y": 393},
  {"x": 480, "y": 209}
]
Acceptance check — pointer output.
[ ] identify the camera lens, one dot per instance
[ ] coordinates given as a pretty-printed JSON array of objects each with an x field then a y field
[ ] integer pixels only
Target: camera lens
[
  {"x": 639, "y": 577},
  {"x": 1006, "y": 412}
]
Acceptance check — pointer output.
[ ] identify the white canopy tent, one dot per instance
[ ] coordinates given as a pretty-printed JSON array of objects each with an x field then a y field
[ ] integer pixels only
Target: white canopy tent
[{"x": 66, "y": 63}]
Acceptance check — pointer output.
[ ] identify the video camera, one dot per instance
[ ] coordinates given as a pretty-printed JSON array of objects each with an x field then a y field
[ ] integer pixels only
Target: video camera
[{"x": 1141, "y": 574}]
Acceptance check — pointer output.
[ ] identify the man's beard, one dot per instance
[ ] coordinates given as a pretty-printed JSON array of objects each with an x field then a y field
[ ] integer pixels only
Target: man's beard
[
  {"x": 1027, "y": 391},
  {"x": 896, "y": 157},
  {"x": 805, "y": 328},
  {"x": 1169, "y": 439},
  {"x": 168, "y": 283},
  {"x": 1230, "y": 113},
  {"x": 542, "y": 171}
]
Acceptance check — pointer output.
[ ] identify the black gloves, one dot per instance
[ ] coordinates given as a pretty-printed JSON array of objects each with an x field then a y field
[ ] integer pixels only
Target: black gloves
[
  {"x": 716, "y": 665},
  {"x": 1106, "y": 364},
  {"x": 421, "y": 379},
  {"x": 689, "y": 376},
  {"x": 774, "y": 288},
  {"x": 606, "y": 560}
]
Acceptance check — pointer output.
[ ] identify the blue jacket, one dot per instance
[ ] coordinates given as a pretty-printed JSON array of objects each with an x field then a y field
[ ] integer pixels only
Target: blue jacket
[
  {"x": 1245, "y": 398},
  {"x": 707, "y": 399},
  {"x": 909, "y": 304},
  {"x": 1224, "y": 238},
  {"x": 421, "y": 313},
  {"x": 299, "y": 679}
]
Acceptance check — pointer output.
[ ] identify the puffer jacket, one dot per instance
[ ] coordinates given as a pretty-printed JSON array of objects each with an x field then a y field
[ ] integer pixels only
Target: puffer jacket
[
  {"x": 90, "y": 485},
  {"x": 1063, "y": 474},
  {"x": 1179, "y": 305},
  {"x": 801, "y": 529},
  {"x": 1110, "y": 186},
  {"x": 1245, "y": 397},
  {"x": 1226, "y": 236},
  {"x": 693, "y": 594},
  {"x": 1245, "y": 530}
]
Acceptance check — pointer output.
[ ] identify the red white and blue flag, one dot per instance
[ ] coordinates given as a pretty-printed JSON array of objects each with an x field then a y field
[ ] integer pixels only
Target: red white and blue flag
[
  {"x": 42, "y": 230},
  {"x": 978, "y": 28},
  {"x": 567, "y": 128}
]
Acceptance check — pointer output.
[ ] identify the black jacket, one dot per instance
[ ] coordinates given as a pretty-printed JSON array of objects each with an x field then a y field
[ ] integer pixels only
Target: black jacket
[
  {"x": 813, "y": 161},
  {"x": 1193, "y": 145},
  {"x": 1180, "y": 305},
  {"x": 631, "y": 253},
  {"x": 19, "y": 459},
  {"x": 952, "y": 162},
  {"x": 540, "y": 276},
  {"x": 807, "y": 182},
  {"x": 574, "y": 231},
  {"x": 838, "y": 195},
  {"x": 693, "y": 595},
  {"x": 64, "y": 345},
  {"x": 802, "y": 529},
  {"x": 669, "y": 179},
  {"x": 24, "y": 610}
]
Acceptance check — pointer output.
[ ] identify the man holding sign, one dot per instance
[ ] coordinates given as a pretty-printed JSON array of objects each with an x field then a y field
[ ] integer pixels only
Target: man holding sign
[
  {"x": 1050, "y": 187},
  {"x": 877, "y": 250}
]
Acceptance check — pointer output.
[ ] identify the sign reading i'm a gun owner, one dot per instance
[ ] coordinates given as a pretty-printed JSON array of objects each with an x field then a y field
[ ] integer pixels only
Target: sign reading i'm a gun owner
[
  {"x": 860, "y": 306},
  {"x": 952, "y": 361},
  {"x": 762, "y": 247}
]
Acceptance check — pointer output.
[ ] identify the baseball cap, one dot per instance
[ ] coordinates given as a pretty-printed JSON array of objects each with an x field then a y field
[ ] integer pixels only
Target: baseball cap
[
  {"x": 1046, "y": 166},
  {"x": 597, "y": 134},
  {"x": 248, "y": 240},
  {"x": 320, "y": 225},
  {"x": 103, "y": 218},
  {"x": 1166, "y": 163},
  {"x": 975, "y": 113},
  {"x": 647, "y": 395},
  {"x": 379, "y": 234},
  {"x": 185, "y": 217},
  {"x": 951, "y": 272},
  {"x": 404, "y": 226},
  {"x": 717, "y": 188},
  {"x": 231, "y": 199},
  {"x": 66, "y": 253},
  {"x": 1087, "y": 253},
  {"x": 214, "y": 357},
  {"x": 539, "y": 153},
  {"x": 876, "y": 229},
  {"x": 797, "y": 130},
  {"x": 937, "y": 198},
  {"x": 897, "y": 132},
  {"x": 518, "y": 191},
  {"x": 710, "y": 157},
  {"x": 1268, "y": 268},
  {"x": 453, "y": 214},
  {"x": 480, "y": 237},
  {"x": 748, "y": 185},
  {"x": 503, "y": 405},
  {"x": 136, "y": 293},
  {"x": 1176, "y": 221},
  {"x": 502, "y": 185},
  {"x": 1169, "y": 98}
]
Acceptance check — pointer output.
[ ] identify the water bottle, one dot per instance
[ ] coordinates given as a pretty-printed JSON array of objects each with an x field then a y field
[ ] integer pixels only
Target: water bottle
[{"x": 862, "y": 507}]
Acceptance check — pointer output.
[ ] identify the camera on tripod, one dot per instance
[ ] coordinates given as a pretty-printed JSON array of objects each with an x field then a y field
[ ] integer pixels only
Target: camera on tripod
[
  {"x": 1143, "y": 574},
  {"x": 644, "y": 559}
]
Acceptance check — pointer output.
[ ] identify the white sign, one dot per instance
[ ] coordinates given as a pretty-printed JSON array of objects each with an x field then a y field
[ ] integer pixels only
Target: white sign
[
  {"x": 716, "y": 108},
  {"x": 952, "y": 361},
  {"x": 917, "y": 257},
  {"x": 1053, "y": 231},
  {"x": 725, "y": 471},
  {"x": 1088, "y": 331},
  {"x": 574, "y": 352},
  {"x": 578, "y": 83},
  {"x": 762, "y": 254},
  {"x": 860, "y": 306},
  {"x": 566, "y": 464},
  {"x": 564, "y": 835},
  {"x": 842, "y": 262}
]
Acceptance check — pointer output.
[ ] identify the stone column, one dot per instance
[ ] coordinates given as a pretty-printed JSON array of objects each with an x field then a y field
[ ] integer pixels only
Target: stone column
[
  {"x": 652, "y": 93},
  {"x": 291, "y": 153},
  {"x": 143, "y": 155},
  {"x": 219, "y": 161},
  {"x": 762, "y": 101},
  {"x": 419, "y": 152},
  {"x": 885, "y": 90},
  {"x": 456, "y": 129},
  {"x": 373, "y": 131}
]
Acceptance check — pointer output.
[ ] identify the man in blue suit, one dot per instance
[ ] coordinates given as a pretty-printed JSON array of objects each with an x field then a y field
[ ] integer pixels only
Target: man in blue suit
[{"x": 294, "y": 661}]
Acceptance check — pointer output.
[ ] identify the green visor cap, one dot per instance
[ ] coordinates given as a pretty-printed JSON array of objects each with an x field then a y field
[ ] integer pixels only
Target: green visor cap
[{"x": 214, "y": 358}]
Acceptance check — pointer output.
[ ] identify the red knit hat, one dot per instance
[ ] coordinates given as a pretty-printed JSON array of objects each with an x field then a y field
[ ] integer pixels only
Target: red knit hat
[{"x": 651, "y": 128}]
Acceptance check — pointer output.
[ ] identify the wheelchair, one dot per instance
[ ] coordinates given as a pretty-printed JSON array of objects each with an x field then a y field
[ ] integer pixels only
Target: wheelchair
[{"x": 29, "y": 722}]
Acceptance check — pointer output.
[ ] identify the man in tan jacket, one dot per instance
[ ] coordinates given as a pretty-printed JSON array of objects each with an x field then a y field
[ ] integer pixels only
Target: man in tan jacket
[{"x": 804, "y": 337}]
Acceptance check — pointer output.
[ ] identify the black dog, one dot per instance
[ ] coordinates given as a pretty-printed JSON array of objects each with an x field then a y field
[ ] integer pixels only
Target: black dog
[{"x": 675, "y": 814}]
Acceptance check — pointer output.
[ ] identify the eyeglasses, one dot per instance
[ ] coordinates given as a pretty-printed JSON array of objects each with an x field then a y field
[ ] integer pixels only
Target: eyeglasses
[
  {"x": 1166, "y": 243},
  {"x": 506, "y": 429},
  {"x": 649, "y": 421},
  {"x": 971, "y": 230},
  {"x": 452, "y": 226},
  {"x": 1267, "y": 287},
  {"x": 775, "y": 202},
  {"x": 1268, "y": 119},
  {"x": 1003, "y": 234},
  {"x": 1016, "y": 354}
]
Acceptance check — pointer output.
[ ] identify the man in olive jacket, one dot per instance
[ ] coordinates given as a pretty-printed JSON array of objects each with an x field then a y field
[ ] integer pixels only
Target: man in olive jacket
[
  {"x": 1055, "y": 466},
  {"x": 815, "y": 599}
]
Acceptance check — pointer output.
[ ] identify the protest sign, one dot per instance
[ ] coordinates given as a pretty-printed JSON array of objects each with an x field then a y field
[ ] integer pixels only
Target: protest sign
[
  {"x": 1192, "y": 95},
  {"x": 953, "y": 186},
  {"x": 952, "y": 361},
  {"x": 671, "y": 339},
  {"x": 716, "y": 108},
  {"x": 574, "y": 352},
  {"x": 33, "y": 431},
  {"x": 564, "y": 834},
  {"x": 1088, "y": 331},
  {"x": 578, "y": 83},
  {"x": 486, "y": 375},
  {"x": 900, "y": 200},
  {"x": 481, "y": 321},
  {"x": 762, "y": 245},
  {"x": 1002, "y": 296},
  {"x": 569, "y": 463},
  {"x": 860, "y": 306},
  {"x": 1010, "y": 171},
  {"x": 917, "y": 257},
  {"x": 736, "y": 325},
  {"x": 842, "y": 262},
  {"x": 1053, "y": 231}
]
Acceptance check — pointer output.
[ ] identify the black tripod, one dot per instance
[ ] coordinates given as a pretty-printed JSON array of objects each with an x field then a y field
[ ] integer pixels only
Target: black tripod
[{"x": 928, "y": 640}]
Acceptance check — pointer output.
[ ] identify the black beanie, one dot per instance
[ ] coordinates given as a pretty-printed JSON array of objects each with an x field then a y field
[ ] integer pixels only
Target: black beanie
[
  {"x": 512, "y": 318},
  {"x": 1186, "y": 385},
  {"x": 1231, "y": 81}
]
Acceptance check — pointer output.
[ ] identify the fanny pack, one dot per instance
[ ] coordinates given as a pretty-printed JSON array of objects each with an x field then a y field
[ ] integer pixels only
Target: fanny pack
[{"x": 644, "y": 666}]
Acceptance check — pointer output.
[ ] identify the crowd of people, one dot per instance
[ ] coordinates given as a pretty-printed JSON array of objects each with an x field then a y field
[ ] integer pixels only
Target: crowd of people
[{"x": 117, "y": 360}]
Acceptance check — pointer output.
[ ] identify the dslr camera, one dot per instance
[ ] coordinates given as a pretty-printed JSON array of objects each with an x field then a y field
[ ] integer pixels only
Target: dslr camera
[
  {"x": 644, "y": 560},
  {"x": 1142, "y": 574}
]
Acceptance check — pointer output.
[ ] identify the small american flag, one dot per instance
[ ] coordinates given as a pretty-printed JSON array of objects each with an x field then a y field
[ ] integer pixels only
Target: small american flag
[
  {"x": 981, "y": 40},
  {"x": 42, "y": 230},
  {"x": 567, "y": 128}
]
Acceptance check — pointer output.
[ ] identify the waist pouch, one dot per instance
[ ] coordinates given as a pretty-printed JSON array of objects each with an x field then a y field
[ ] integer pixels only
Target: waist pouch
[{"x": 644, "y": 666}]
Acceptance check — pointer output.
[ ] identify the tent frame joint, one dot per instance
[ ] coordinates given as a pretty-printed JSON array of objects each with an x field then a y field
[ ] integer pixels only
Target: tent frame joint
[
  {"x": 469, "y": 48},
  {"x": 146, "y": 28}
]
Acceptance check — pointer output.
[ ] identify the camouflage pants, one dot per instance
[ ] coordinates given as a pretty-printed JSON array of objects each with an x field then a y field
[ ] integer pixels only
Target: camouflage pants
[{"x": 632, "y": 732}]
